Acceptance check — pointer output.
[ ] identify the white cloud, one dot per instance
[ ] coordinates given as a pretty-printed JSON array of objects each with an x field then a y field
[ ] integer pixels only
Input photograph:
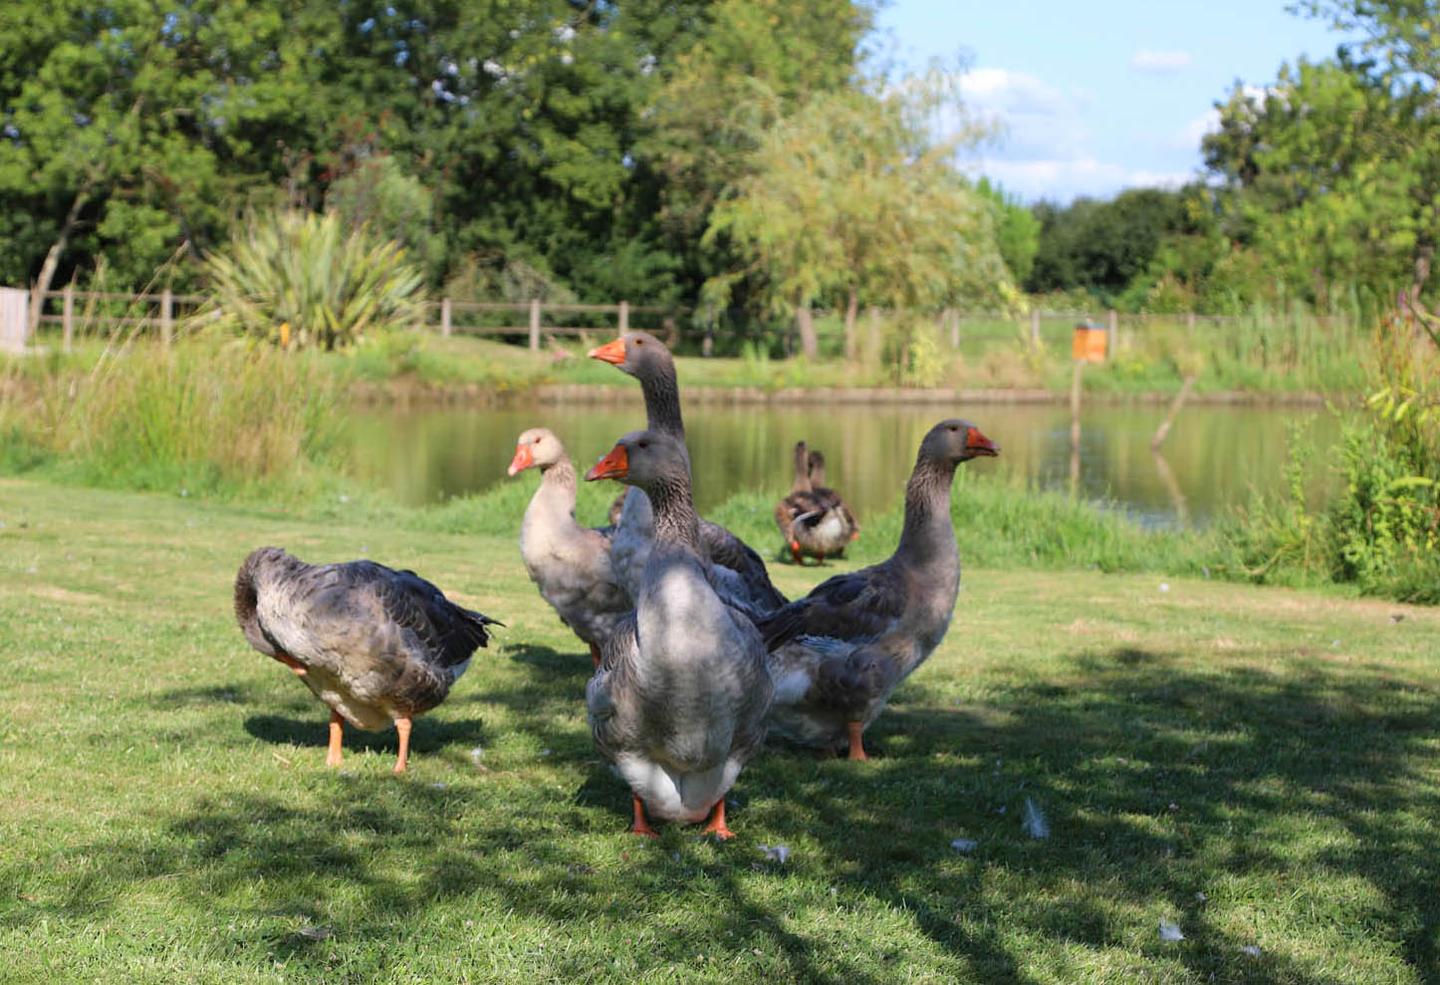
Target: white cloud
[
  {"x": 1189, "y": 136},
  {"x": 1003, "y": 91},
  {"x": 1159, "y": 62},
  {"x": 1065, "y": 178}
]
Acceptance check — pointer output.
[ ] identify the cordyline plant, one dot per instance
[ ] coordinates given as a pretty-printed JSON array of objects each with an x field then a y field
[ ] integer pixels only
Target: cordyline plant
[{"x": 299, "y": 279}]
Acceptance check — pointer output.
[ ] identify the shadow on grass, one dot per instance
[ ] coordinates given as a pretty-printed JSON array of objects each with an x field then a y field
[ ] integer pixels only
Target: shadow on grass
[{"x": 1161, "y": 781}]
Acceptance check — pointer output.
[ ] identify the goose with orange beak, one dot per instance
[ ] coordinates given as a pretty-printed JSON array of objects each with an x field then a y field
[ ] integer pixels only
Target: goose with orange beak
[
  {"x": 570, "y": 564},
  {"x": 840, "y": 651},
  {"x": 740, "y": 573},
  {"x": 678, "y": 704}
]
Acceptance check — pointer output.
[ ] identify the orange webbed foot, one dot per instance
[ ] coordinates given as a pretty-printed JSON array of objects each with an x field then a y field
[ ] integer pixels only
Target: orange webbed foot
[
  {"x": 337, "y": 727},
  {"x": 857, "y": 744},
  {"x": 717, "y": 826},
  {"x": 641, "y": 826}
]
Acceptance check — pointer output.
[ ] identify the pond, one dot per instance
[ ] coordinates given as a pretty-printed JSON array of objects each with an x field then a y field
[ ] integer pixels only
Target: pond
[{"x": 1212, "y": 459}]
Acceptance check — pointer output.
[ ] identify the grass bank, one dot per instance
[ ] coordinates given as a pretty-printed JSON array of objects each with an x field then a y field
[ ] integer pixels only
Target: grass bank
[{"x": 1255, "y": 765}]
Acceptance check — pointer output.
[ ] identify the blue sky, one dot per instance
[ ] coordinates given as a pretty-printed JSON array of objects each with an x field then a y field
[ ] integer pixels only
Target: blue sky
[{"x": 1101, "y": 95}]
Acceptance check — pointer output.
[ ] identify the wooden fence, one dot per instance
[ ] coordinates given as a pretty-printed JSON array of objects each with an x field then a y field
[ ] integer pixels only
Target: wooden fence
[{"x": 159, "y": 313}]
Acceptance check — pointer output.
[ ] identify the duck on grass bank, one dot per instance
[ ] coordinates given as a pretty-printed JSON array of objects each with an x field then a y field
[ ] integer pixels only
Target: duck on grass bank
[
  {"x": 678, "y": 704},
  {"x": 812, "y": 518},
  {"x": 840, "y": 651},
  {"x": 743, "y": 580},
  {"x": 570, "y": 564},
  {"x": 378, "y": 646}
]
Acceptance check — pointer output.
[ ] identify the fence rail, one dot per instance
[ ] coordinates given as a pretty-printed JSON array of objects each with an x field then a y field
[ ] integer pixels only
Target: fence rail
[
  {"x": 160, "y": 311},
  {"x": 973, "y": 334}
]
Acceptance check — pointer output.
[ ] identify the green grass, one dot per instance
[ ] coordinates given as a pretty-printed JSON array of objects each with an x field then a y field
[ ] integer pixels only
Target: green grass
[{"x": 1258, "y": 765}]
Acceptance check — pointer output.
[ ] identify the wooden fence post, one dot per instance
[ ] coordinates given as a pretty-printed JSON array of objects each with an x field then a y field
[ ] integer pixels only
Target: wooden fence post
[
  {"x": 1190, "y": 320},
  {"x": 1075, "y": 427},
  {"x": 953, "y": 317},
  {"x": 624, "y": 317},
  {"x": 167, "y": 316},
  {"x": 35, "y": 311},
  {"x": 1035, "y": 327},
  {"x": 67, "y": 318},
  {"x": 1113, "y": 320},
  {"x": 535, "y": 325},
  {"x": 445, "y": 317}
]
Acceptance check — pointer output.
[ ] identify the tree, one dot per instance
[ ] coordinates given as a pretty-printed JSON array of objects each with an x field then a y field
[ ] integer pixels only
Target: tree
[
  {"x": 1017, "y": 230},
  {"x": 850, "y": 196},
  {"x": 1102, "y": 245},
  {"x": 1332, "y": 174},
  {"x": 124, "y": 126}
]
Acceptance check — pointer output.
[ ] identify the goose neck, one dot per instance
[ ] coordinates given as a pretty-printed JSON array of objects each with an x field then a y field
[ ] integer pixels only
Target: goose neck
[{"x": 929, "y": 533}]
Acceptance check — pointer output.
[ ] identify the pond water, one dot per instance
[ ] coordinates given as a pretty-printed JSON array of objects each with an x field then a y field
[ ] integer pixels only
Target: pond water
[{"x": 1212, "y": 459}]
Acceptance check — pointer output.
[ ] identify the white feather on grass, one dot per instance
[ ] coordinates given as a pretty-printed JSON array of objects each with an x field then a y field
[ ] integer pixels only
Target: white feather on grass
[
  {"x": 1033, "y": 821},
  {"x": 1170, "y": 932}
]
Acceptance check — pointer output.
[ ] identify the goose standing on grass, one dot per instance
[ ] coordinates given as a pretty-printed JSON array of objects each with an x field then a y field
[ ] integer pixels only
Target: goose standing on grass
[
  {"x": 569, "y": 563},
  {"x": 742, "y": 576},
  {"x": 678, "y": 704},
  {"x": 841, "y": 650},
  {"x": 376, "y": 645},
  {"x": 830, "y": 501},
  {"x": 814, "y": 519},
  {"x": 797, "y": 502}
]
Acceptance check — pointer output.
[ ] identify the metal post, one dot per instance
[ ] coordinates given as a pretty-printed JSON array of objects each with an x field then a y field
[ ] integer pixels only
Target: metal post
[
  {"x": 445, "y": 317},
  {"x": 167, "y": 316},
  {"x": 535, "y": 325},
  {"x": 624, "y": 317},
  {"x": 67, "y": 318}
]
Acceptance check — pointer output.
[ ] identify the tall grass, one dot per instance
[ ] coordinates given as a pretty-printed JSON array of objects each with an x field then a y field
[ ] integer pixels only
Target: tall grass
[{"x": 202, "y": 417}]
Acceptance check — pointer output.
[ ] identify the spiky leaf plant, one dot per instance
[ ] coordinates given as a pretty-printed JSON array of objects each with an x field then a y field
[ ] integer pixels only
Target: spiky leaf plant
[{"x": 299, "y": 279}]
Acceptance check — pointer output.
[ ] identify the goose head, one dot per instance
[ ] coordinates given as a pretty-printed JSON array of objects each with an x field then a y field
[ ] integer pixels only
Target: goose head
[
  {"x": 536, "y": 447},
  {"x": 647, "y": 459},
  {"x": 955, "y": 441},
  {"x": 639, "y": 354}
]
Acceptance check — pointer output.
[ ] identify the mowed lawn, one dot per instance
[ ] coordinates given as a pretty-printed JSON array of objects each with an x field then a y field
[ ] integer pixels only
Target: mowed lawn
[{"x": 1259, "y": 767}]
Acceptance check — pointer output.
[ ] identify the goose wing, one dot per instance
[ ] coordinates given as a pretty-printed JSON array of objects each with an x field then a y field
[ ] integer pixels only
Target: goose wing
[
  {"x": 856, "y": 607},
  {"x": 450, "y": 633}
]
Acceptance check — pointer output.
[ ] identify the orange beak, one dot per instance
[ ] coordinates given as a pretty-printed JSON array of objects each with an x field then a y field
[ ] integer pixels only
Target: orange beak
[
  {"x": 977, "y": 444},
  {"x": 524, "y": 458},
  {"x": 615, "y": 465},
  {"x": 612, "y": 352}
]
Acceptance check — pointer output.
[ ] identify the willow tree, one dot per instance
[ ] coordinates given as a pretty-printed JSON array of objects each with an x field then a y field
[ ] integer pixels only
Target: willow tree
[{"x": 851, "y": 197}]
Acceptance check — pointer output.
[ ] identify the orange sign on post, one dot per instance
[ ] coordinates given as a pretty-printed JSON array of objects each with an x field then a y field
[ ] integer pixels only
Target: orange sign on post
[{"x": 1089, "y": 343}]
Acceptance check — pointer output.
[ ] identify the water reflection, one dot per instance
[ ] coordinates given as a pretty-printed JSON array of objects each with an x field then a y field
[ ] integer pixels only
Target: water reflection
[{"x": 1211, "y": 459}]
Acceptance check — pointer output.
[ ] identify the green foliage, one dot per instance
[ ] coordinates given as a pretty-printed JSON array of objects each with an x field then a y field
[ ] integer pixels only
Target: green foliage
[
  {"x": 1017, "y": 230},
  {"x": 1102, "y": 245},
  {"x": 300, "y": 279},
  {"x": 200, "y": 417},
  {"x": 130, "y": 129},
  {"x": 850, "y": 197},
  {"x": 1382, "y": 533}
]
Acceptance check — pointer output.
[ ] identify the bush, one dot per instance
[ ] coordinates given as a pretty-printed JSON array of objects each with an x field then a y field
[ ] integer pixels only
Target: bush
[
  {"x": 298, "y": 279},
  {"x": 1382, "y": 533}
]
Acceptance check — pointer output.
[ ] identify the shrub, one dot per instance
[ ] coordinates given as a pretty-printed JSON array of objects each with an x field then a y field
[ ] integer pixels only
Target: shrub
[{"x": 299, "y": 279}]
